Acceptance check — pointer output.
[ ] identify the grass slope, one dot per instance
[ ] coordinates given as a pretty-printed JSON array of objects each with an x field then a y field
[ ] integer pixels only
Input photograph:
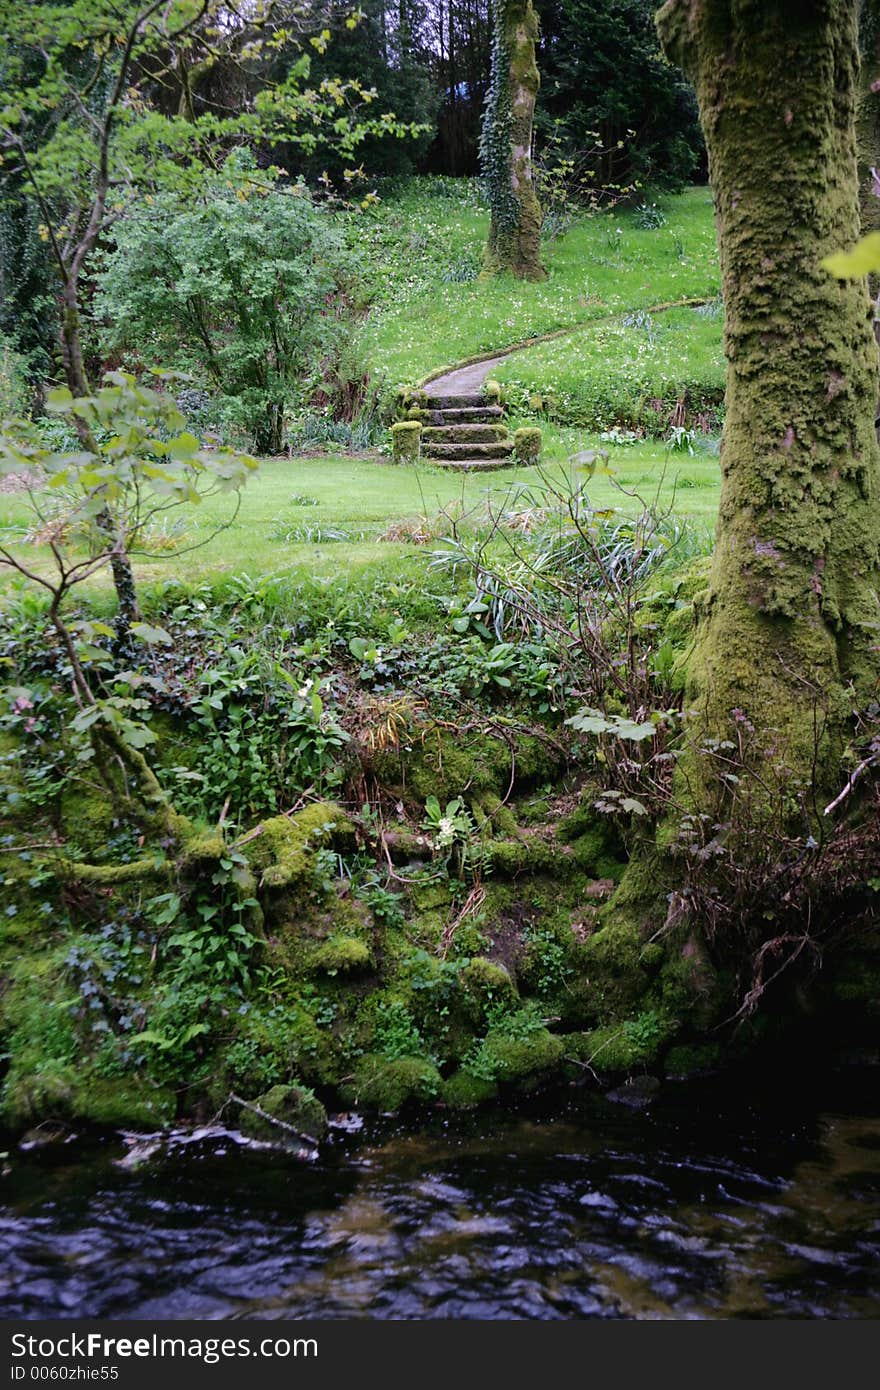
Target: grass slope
[{"x": 432, "y": 311}]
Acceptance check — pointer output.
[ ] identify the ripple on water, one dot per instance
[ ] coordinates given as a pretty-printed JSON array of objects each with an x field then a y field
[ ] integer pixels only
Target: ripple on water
[{"x": 686, "y": 1211}]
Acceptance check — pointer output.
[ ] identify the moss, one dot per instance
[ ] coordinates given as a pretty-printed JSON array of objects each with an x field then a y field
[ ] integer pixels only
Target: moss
[
  {"x": 687, "y": 986},
  {"x": 294, "y": 1105},
  {"x": 591, "y": 854},
  {"x": 406, "y": 441},
  {"x": 283, "y": 854},
  {"x": 112, "y": 875},
  {"x": 32, "y": 1093},
  {"x": 408, "y": 398},
  {"x": 692, "y": 1059},
  {"x": 345, "y": 954},
  {"x": 792, "y": 603},
  {"x": 511, "y": 857},
  {"x": 386, "y": 1085},
  {"x": 486, "y": 985},
  {"x": 464, "y": 1091},
  {"x": 122, "y": 1103},
  {"x": 39, "y": 1088},
  {"x": 519, "y": 1060},
  {"x": 615, "y": 970},
  {"x": 492, "y": 392},
  {"x": 496, "y": 815},
  {"x": 275, "y": 1043},
  {"x": 87, "y": 818},
  {"x": 201, "y": 848},
  {"x": 445, "y": 765},
  {"x": 527, "y": 444},
  {"x": 620, "y": 1047},
  {"x": 514, "y": 242}
]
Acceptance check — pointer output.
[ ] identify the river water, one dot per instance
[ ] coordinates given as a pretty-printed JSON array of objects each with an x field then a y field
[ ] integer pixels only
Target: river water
[{"x": 761, "y": 1201}]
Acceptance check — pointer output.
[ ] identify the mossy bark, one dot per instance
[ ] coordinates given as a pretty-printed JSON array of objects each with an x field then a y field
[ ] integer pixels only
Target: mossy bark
[
  {"x": 789, "y": 621},
  {"x": 868, "y": 116},
  {"x": 514, "y": 242}
]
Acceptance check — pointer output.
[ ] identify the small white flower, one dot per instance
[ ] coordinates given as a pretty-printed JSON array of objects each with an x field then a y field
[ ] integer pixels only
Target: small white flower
[
  {"x": 445, "y": 831},
  {"x": 305, "y": 690}
]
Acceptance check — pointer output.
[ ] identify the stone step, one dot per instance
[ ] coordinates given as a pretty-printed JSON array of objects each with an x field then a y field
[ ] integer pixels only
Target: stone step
[
  {"x": 481, "y": 465},
  {"x": 467, "y": 415},
  {"x": 500, "y": 450},
  {"x": 464, "y": 434},
  {"x": 474, "y": 400}
]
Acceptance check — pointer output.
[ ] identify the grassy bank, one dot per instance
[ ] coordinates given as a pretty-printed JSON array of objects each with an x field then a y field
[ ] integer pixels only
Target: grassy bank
[{"x": 431, "y": 309}]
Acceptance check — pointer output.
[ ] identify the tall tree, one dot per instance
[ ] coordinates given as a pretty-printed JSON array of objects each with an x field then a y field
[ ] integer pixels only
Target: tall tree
[
  {"x": 790, "y": 622},
  {"x": 506, "y": 145}
]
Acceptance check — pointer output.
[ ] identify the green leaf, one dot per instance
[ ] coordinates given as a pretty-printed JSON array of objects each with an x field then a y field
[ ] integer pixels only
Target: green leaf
[
  {"x": 862, "y": 260},
  {"x": 60, "y": 400},
  {"x": 153, "y": 1039},
  {"x": 153, "y": 636},
  {"x": 593, "y": 721},
  {"x": 184, "y": 446}
]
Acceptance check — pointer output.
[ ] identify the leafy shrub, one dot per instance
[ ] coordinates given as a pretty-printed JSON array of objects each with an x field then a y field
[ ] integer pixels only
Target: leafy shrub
[{"x": 244, "y": 291}]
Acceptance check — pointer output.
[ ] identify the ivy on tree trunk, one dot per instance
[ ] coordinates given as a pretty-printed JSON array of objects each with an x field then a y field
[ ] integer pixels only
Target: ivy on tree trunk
[{"x": 506, "y": 143}]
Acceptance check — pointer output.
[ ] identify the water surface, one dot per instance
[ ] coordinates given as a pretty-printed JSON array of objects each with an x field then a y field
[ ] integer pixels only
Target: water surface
[{"x": 711, "y": 1203}]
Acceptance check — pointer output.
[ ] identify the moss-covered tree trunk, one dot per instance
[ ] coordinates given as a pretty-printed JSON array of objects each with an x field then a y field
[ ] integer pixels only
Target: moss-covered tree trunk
[
  {"x": 514, "y": 242},
  {"x": 788, "y": 634},
  {"x": 868, "y": 139},
  {"x": 868, "y": 115}
]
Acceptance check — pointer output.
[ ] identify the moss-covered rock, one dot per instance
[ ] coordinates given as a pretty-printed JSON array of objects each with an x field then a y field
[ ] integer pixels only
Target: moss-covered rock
[
  {"x": 523, "y": 1059},
  {"x": 533, "y": 855},
  {"x": 341, "y": 955},
  {"x": 464, "y": 1091},
  {"x": 123, "y": 1103},
  {"x": 527, "y": 444},
  {"x": 622, "y": 1047},
  {"x": 486, "y": 986},
  {"x": 406, "y": 441},
  {"x": 383, "y": 1084},
  {"x": 283, "y": 854},
  {"x": 293, "y": 1105}
]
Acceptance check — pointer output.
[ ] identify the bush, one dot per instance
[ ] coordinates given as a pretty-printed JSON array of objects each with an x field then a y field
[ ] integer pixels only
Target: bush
[{"x": 243, "y": 293}]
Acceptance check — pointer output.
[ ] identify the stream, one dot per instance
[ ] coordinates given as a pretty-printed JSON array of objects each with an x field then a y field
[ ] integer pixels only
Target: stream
[{"x": 720, "y": 1200}]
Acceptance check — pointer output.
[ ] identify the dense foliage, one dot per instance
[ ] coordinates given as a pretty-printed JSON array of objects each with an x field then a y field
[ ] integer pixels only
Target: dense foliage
[
  {"x": 619, "y": 109},
  {"x": 243, "y": 287}
]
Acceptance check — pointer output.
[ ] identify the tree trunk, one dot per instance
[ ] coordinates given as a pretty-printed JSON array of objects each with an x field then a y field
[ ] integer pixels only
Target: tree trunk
[
  {"x": 868, "y": 116},
  {"x": 506, "y": 144},
  {"x": 77, "y": 381},
  {"x": 868, "y": 142},
  {"x": 789, "y": 626}
]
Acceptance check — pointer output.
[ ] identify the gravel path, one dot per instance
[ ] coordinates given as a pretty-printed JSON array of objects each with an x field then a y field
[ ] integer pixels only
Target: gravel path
[{"x": 464, "y": 381}]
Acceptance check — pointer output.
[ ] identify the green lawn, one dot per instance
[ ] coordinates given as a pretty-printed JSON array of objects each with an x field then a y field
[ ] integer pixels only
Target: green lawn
[
  {"x": 336, "y": 514},
  {"x": 425, "y": 318},
  {"x": 325, "y": 514},
  {"x": 629, "y": 370}
]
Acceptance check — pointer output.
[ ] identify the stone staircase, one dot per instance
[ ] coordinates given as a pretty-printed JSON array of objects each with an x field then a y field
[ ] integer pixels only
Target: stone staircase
[{"x": 464, "y": 433}]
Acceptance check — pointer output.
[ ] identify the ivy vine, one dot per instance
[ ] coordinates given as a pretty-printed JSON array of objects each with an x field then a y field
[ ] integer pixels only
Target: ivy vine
[{"x": 495, "y": 136}]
